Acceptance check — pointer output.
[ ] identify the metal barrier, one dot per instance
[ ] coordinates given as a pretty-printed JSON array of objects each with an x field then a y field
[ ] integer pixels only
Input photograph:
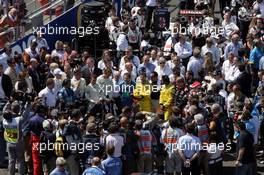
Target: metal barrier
[{"x": 34, "y": 18}]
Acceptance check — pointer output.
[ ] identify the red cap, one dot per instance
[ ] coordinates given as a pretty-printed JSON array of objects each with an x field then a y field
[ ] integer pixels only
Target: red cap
[{"x": 195, "y": 85}]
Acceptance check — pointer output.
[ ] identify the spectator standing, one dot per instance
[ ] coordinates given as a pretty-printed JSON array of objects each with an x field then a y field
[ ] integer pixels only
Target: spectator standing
[
  {"x": 189, "y": 147},
  {"x": 151, "y": 4},
  {"x": 195, "y": 64},
  {"x": 183, "y": 50},
  {"x": 94, "y": 169},
  {"x": 60, "y": 167},
  {"x": 48, "y": 95},
  {"x": 112, "y": 165},
  {"x": 10, "y": 71},
  {"x": 245, "y": 154}
]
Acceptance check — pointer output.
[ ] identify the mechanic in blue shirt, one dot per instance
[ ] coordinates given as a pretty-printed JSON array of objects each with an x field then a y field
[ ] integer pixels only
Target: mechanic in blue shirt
[
  {"x": 112, "y": 165},
  {"x": 94, "y": 169}
]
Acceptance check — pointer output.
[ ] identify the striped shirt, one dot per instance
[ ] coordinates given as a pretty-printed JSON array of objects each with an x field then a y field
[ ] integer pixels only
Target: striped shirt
[
  {"x": 145, "y": 142},
  {"x": 169, "y": 138},
  {"x": 203, "y": 133}
]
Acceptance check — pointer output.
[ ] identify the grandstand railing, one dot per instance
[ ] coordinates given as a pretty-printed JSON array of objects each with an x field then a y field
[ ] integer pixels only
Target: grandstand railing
[{"x": 34, "y": 18}]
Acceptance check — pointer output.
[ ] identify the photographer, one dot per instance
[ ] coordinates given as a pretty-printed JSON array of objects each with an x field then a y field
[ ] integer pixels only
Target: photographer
[{"x": 94, "y": 148}]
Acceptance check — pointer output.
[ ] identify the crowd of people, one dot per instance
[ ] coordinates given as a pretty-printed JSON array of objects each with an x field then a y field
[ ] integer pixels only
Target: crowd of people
[{"x": 150, "y": 104}]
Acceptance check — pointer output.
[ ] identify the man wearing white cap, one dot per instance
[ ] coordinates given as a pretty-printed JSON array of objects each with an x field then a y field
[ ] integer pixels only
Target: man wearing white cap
[{"x": 57, "y": 80}]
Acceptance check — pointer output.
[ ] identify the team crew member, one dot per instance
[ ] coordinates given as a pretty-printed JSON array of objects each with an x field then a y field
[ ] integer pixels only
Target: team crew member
[
  {"x": 12, "y": 124},
  {"x": 169, "y": 138},
  {"x": 166, "y": 96},
  {"x": 142, "y": 92}
]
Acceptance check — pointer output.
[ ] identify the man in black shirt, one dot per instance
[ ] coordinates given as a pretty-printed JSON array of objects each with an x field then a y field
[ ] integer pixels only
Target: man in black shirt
[
  {"x": 245, "y": 152},
  {"x": 243, "y": 79}
]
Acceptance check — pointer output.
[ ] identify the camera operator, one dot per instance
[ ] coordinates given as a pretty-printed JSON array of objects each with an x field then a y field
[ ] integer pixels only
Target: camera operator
[
  {"x": 73, "y": 136},
  {"x": 94, "y": 148}
]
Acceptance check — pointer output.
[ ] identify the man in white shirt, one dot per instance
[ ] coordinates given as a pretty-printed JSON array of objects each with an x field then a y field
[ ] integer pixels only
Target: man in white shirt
[
  {"x": 106, "y": 84},
  {"x": 163, "y": 68},
  {"x": 122, "y": 42},
  {"x": 93, "y": 94},
  {"x": 58, "y": 51},
  {"x": 229, "y": 69},
  {"x": 234, "y": 46},
  {"x": 114, "y": 139},
  {"x": 49, "y": 97},
  {"x": 78, "y": 84},
  {"x": 134, "y": 35},
  {"x": 5, "y": 55},
  {"x": 229, "y": 26},
  {"x": 130, "y": 57},
  {"x": 129, "y": 68},
  {"x": 195, "y": 63},
  {"x": 210, "y": 47},
  {"x": 189, "y": 147},
  {"x": 183, "y": 49},
  {"x": 31, "y": 51}
]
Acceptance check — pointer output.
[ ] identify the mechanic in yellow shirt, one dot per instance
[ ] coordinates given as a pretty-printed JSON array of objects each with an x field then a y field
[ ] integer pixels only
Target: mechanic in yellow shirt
[
  {"x": 142, "y": 92},
  {"x": 166, "y": 96}
]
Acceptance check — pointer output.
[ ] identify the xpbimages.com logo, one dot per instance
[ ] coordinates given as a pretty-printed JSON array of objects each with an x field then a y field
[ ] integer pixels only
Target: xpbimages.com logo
[
  {"x": 211, "y": 148},
  {"x": 204, "y": 29},
  {"x": 63, "y": 30},
  {"x": 75, "y": 147},
  {"x": 125, "y": 88}
]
